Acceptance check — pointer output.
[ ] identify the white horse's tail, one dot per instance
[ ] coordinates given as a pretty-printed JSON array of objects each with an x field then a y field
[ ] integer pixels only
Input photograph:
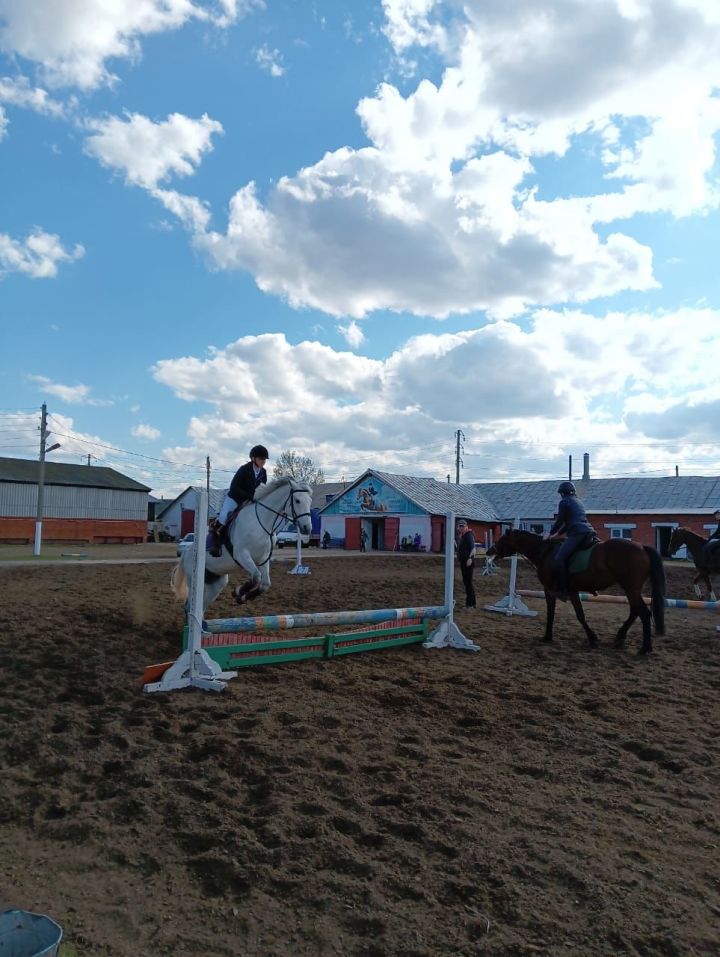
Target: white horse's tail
[{"x": 179, "y": 582}]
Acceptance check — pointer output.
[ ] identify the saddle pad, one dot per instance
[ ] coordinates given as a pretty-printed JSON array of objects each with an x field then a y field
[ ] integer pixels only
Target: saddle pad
[{"x": 580, "y": 560}]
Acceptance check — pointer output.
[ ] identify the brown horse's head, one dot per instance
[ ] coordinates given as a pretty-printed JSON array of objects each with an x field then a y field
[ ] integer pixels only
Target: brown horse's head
[
  {"x": 508, "y": 544},
  {"x": 678, "y": 538}
]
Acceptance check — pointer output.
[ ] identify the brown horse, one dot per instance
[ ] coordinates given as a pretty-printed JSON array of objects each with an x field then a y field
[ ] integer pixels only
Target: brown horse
[
  {"x": 696, "y": 549},
  {"x": 616, "y": 562}
]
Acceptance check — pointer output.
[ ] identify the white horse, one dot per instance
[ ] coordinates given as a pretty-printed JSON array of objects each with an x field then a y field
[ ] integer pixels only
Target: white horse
[{"x": 252, "y": 538}]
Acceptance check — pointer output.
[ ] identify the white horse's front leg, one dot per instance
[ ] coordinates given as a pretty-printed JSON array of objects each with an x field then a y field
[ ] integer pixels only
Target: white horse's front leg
[{"x": 250, "y": 589}]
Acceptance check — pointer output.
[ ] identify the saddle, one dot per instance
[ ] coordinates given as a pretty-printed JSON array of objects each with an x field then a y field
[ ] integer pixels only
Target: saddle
[
  {"x": 580, "y": 558},
  {"x": 219, "y": 535}
]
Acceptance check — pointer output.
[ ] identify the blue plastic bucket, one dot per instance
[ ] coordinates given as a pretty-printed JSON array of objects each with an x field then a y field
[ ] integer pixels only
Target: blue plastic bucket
[{"x": 23, "y": 934}]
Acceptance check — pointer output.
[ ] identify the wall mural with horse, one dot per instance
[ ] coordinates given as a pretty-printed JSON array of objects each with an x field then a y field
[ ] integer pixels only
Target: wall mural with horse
[{"x": 372, "y": 496}]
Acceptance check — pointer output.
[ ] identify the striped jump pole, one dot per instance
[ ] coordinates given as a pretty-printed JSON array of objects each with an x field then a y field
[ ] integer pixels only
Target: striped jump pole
[
  {"x": 619, "y": 600},
  {"x": 214, "y": 645}
]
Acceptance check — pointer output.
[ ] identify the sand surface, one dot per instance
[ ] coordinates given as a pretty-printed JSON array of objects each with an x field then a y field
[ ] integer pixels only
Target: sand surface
[{"x": 527, "y": 799}]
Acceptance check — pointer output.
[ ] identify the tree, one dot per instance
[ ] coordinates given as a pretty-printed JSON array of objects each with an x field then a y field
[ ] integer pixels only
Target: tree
[{"x": 299, "y": 467}]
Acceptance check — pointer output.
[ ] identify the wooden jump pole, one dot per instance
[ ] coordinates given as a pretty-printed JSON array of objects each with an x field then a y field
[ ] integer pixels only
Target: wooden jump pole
[{"x": 619, "y": 600}]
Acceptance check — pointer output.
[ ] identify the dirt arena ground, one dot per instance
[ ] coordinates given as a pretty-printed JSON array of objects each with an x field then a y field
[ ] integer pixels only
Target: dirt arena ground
[{"x": 527, "y": 799}]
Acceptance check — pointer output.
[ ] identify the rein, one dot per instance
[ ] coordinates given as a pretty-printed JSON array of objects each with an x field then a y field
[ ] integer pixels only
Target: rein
[{"x": 280, "y": 515}]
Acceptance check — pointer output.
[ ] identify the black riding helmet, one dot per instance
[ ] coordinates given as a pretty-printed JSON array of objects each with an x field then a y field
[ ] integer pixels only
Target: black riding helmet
[
  {"x": 566, "y": 488},
  {"x": 259, "y": 452}
]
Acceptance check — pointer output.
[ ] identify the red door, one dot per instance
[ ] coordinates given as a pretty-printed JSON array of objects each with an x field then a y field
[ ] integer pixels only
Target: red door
[
  {"x": 392, "y": 534},
  {"x": 187, "y": 521},
  {"x": 352, "y": 533},
  {"x": 437, "y": 529}
]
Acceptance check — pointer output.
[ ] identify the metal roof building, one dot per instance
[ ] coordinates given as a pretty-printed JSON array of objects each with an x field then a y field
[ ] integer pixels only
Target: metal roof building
[
  {"x": 82, "y": 503},
  {"x": 392, "y": 507}
]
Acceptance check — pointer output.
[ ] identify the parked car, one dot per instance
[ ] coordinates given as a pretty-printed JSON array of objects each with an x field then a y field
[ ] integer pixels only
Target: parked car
[
  {"x": 187, "y": 541},
  {"x": 289, "y": 536}
]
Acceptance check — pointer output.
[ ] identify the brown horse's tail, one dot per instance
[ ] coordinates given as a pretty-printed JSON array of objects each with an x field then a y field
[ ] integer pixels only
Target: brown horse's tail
[{"x": 657, "y": 581}]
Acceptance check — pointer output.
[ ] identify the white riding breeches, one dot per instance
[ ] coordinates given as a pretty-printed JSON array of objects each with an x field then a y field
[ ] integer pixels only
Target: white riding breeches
[{"x": 229, "y": 505}]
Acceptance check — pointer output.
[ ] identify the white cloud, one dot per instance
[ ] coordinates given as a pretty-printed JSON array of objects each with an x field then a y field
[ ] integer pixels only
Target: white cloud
[
  {"x": 352, "y": 333},
  {"x": 71, "y": 394},
  {"x": 348, "y": 236},
  {"x": 524, "y": 397},
  {"x": 72, "y": 40},
  {"x": 143, "y": 431},
  {"x": 37, "y": 256},
  {"x": 439, "y": 215},
  {"x": 270, "y": 61},
  {"x": 17, "y": 91},
  {"x": 148, "y": 152}
]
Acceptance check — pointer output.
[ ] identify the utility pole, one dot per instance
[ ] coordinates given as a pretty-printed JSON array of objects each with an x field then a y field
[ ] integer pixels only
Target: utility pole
[
  {"x": 459, "y": 435},
  {"x": 207, "y": 470},
  {"x": 41, "y": 478},
  {"x": 41, "y": 481}
]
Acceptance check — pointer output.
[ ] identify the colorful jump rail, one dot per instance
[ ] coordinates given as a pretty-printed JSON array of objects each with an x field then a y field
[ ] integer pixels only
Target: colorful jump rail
[
  {"x": 211, "y": 648},
  {"x": 244, "y": 642},
  {"x": 619, "y": 600}
]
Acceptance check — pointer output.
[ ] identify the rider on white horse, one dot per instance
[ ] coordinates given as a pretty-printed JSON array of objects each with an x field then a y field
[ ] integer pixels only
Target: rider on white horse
[{"x": 242, "y": 489}]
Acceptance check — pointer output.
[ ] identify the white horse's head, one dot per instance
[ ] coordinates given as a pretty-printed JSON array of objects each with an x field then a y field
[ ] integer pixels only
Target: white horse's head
[{"x": 291, "y": 497}]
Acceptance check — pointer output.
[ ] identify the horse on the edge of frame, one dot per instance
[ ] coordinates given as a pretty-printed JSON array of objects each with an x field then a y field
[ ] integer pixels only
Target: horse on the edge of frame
[
  {"x": 696, "y": 549},
  {"x": 251, "y": 536},
  {"x": 615, "y": 562}
]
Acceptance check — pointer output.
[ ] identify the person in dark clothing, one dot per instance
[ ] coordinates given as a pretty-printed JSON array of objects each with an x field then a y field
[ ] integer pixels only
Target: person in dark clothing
[
  {"x": 326, "y": 539},
  {"x": 712, "y": 546},
  {"x": 242, "y": 489},
  {"x": 363, "y": 540},
  {"x": 465, "y": 545},
  {"x": 572, "y": 521}
]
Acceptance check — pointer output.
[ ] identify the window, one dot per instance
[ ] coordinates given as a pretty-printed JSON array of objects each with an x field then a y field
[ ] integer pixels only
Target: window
[
  {"x": 620, "y": 529},
  {"x": 538, "y": 529}
]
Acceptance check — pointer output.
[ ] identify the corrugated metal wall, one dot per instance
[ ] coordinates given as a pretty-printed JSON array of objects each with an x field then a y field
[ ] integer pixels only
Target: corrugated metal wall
[{"x": 64, "y": 501}]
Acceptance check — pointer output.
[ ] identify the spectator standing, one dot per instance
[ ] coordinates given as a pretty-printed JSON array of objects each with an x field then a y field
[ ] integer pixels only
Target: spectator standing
[
  {"x": 465, "y": 544},
  {"x": 363, "y": 539}
]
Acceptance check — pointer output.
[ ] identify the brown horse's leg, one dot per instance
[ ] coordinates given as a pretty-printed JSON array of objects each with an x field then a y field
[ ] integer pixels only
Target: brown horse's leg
[
  {"x": 550, "y": 602},
  {"x": 625, "y": 627},
  {"x": 580, "y": 612},
  {"x": 638, "y": 609}
]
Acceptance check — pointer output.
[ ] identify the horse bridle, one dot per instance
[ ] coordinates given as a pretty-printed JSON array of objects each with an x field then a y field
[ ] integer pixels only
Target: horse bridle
[{"x": 280, "y": 516}]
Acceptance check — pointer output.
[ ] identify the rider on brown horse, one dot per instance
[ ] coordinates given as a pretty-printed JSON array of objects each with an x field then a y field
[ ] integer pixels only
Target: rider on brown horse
[{"x": 572, "y": 520}]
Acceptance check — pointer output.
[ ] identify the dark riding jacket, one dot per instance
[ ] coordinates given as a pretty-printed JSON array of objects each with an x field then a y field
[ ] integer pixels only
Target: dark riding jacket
[
  {"x": 244, "y": 483},
  {"x": 571, "y": 518},
  {"x": 466, "y": 546},
  {"x": 716, "y": 534}
]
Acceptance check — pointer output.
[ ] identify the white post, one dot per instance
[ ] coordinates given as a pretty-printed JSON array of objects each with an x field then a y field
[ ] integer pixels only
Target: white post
[
  {"x": 299, "y": 568},
  {"x": 447, "y": 634},
  {"x": 511, "y": 604},
  {"x": 195, "y": 668}
]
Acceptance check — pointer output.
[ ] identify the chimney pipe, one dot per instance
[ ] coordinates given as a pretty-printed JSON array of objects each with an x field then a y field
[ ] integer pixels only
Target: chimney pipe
[
  {"x": 570, "y": 468},
  {"x": 586, "y": 467}
]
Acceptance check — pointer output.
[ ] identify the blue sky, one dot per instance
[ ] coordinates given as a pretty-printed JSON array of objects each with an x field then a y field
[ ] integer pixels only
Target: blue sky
[{"x": 351, "y": 229}]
